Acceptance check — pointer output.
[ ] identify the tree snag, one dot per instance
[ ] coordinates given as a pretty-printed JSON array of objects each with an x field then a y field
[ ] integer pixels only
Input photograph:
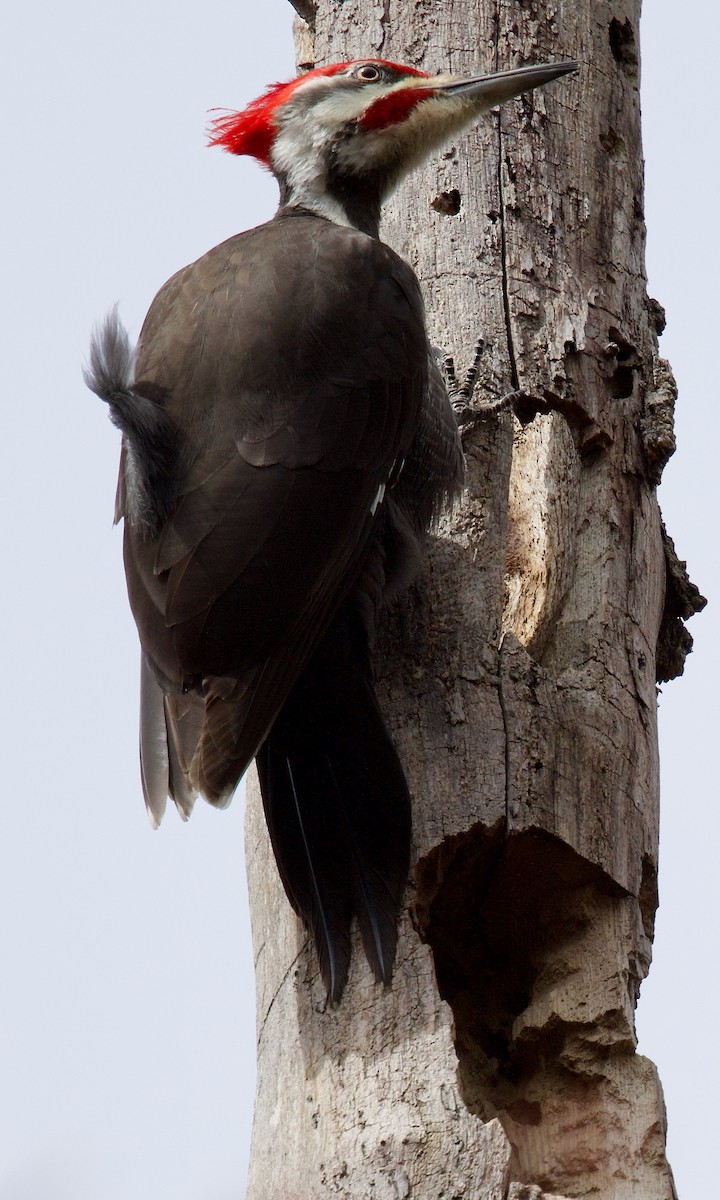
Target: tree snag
[{"x": 518, "y": 675}]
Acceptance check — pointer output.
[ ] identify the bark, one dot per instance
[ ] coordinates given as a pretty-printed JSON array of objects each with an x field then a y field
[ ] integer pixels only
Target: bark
[{"x": 518, "y": 675}]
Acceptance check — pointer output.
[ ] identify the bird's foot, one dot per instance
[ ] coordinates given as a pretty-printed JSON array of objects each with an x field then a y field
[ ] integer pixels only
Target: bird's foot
[
  {"x": 461, "y": 393},
  {"x": 524, "y": 404}
]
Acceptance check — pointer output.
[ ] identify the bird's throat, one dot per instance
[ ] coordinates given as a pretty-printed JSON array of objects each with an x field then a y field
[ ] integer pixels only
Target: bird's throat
[{"x": 344, "y": 205}]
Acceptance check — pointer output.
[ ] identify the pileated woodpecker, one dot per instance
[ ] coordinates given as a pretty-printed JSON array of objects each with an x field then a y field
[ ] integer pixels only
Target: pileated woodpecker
[{"x": 287, "y": 442}]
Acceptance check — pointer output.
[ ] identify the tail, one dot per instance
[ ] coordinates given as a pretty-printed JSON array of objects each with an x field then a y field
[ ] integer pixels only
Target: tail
[
  {"x": 146, "y": 490},
  {"x": 338, "y": 808},
  {"x": 110, "y": 369}
]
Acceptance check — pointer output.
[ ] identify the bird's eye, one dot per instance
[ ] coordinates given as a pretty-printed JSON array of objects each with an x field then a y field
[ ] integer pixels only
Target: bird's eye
[{"x": 368, "y": 74}]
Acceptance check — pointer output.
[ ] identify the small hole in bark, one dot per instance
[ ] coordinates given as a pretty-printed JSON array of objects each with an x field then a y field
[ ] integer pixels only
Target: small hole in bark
[
  {"x": 620, "y": 385},
  {"x": 447, "y": 203},
  {"x": 625, "y": 352},
  {"x": 626, "y": 361}
]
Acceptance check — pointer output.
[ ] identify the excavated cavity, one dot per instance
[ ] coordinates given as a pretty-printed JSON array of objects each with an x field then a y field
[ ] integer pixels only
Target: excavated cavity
[
  {"x": 523, "y": 931},
  {"x": 623, "y": 45}
]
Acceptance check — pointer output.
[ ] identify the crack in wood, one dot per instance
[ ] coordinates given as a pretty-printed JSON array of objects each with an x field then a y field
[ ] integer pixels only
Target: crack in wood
[
  {"x": 384, "y": 22},
  {"x": 279, "y": 989},
  {"x": 514, "y": 378},
  {"x": 506, "y": 736}
]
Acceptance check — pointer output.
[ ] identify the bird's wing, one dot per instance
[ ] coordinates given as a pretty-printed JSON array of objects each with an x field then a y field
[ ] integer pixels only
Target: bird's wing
[{"x": 297, "y": 441}]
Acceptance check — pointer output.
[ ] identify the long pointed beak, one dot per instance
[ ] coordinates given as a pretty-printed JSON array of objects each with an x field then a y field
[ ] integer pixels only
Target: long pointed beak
[{"x": 493, "y": 89}]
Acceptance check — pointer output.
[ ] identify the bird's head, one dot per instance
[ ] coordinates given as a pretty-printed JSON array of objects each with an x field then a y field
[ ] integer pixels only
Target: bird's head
[{"x": 341, "y": 137}]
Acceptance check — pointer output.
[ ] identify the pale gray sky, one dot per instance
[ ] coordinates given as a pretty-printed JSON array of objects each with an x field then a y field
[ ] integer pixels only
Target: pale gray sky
[{"x": 126, "y": 1009}]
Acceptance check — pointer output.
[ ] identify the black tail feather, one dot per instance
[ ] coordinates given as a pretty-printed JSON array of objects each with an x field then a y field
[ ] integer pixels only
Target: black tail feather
[
  {"x": 338, "y": 808},
  {"x": 313, "y": 874}
]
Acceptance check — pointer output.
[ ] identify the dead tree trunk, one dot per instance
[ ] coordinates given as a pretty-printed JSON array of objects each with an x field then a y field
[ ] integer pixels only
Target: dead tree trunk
[{"x": 518, "y": 676}]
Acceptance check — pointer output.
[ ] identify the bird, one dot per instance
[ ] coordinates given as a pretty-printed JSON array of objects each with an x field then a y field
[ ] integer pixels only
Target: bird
[{"x": 287, "y": 443}]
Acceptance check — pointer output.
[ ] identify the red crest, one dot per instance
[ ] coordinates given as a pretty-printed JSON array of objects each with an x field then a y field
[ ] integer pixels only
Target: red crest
[{"x": 252, "y": 130}]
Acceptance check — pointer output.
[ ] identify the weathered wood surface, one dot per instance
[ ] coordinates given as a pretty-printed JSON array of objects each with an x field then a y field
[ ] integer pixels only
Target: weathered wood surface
[{"x": 518, "y": 675}]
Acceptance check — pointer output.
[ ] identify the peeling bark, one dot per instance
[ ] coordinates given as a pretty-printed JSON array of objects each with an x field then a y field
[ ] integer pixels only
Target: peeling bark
[{"x": 518, "y": 674}]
